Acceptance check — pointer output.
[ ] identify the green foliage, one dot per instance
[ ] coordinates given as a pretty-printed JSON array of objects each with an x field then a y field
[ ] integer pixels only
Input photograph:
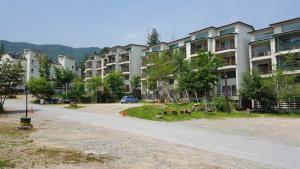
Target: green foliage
[
  {"x": 77, "y": 90},
  {"x": 202, "y": 75},
  {"x": 159, "y": 71},
  {"x": 11, "y": 77},
  {"x": 44, "y": 66},
  {"x": 2, "y": 49},
  {"x": 220, "y": 103},
  {"x": 255, "y": 88},
  {"x": 41, "y": 88},
  {"x": 63, "y": 76},
  {"x": 135, "y": 83},
  {"x": 150, "y": 112},
  {"x": 114, "y": 85},
  {"x": 93, "y": 85},
  {"x": 153, "y": 38},
  {"x": 6, "y": 164}
]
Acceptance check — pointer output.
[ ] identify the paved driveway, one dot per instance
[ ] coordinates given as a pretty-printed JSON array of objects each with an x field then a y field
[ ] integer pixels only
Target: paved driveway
[{"x": 249, "y": 148}]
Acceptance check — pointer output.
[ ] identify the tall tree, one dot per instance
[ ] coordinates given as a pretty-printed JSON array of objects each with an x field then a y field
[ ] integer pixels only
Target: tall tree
[
  {"x": 135, "y": 83},
  {"x": 12, "y": 75},
  {"x": 44, "y": 66},
  {"x": 63, "y": 77},
  {"x": 92, "y": 85},
  {"x": 254, "y": 87},
  {"x": 2, "y": 49},
  {"x": 153, "y": 38},
  {"x": 114, "y": 84},
  {"x": 160, "y": 70},
  {"x": 203, "y": 73}
]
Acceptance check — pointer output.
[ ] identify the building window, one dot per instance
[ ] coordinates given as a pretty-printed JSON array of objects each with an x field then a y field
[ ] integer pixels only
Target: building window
[
  {"x": 201, "y": 35},
  {"x": 32, "y": 70},
  {"x": 290, "y": 27},
  {"x": 227, "y": 31},
  {"x": 230, "y": 74},
  {"x": 173, "y": 46},
  {"x": 264, "y": 36},
  {"x": 156, "y": 49},
  {"x": 126, "y": 77},
  {"x": 72, "y": 67}
]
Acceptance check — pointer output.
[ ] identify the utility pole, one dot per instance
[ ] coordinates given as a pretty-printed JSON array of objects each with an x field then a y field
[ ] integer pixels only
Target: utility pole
[{"x": 226, "y": 93}]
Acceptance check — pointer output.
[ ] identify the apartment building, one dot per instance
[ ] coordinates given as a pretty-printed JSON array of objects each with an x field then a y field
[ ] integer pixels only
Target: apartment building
[
  {"x": 126, "y": 59},
  {"x": 228, "y": 41},
  {"x": 269, "y": 46}
]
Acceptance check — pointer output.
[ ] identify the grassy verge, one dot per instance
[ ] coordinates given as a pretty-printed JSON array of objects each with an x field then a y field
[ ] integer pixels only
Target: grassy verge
[{"x": 151, "y": 112}]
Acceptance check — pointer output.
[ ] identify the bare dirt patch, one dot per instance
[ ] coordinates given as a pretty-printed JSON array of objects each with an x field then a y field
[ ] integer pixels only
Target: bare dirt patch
[{"x": 18, "y": 150}]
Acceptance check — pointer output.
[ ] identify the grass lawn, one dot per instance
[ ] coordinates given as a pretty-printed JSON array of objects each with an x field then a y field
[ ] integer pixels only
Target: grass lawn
[
  {"x": 6, "y": 164},
  {"x": 150, "y": 112}
]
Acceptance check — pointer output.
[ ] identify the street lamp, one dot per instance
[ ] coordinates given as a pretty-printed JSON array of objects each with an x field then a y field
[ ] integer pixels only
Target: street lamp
[
  {"x": 226, "y": 93},
  {"x": 25, "y": 122}
]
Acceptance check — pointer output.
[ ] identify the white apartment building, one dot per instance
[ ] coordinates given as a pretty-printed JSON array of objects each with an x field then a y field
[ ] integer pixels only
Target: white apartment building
[
  {"x": 29, "y": 59},
  {"x": 126, "y": 59},
  {"x": 269, "y": 45},
  {"x": 228, "y": 41}
]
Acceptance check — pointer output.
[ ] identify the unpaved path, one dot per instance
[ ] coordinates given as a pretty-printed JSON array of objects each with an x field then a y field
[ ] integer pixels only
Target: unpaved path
[{"x": 226, "y": 147}]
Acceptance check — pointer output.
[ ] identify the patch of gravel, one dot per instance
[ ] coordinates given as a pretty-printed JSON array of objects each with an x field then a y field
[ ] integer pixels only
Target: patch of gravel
[
  {"x": 131, "y": 151},
  {"x": 277, "y": 130}
]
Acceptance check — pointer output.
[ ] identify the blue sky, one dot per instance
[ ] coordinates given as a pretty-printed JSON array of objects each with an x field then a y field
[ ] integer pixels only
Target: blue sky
[{"x": 84, "y": 23}]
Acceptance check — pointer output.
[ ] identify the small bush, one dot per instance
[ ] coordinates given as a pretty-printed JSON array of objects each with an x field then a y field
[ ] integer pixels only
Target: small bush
[{"x": 220, "y": 103}]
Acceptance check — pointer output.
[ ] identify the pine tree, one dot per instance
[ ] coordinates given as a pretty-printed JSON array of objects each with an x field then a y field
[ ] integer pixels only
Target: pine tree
[
  {"x": 153, "y": 38},
  {"x": 2, "y": 49}
]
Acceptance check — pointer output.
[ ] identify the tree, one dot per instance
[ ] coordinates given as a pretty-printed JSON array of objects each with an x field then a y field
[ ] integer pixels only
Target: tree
[
  {"x": 63, "y": 77},
  {"x": 114, "y": 84},
  {"x": 41, "y": 88},
  {"x": 153, "y": 38},
  {"x": 44, "y": 66},
  {"x": 77, "y": 91},
  {"x": 160, "y": 71},
  {"x": 2, "y": 49},
  {"x": 202, "y": 75},
  {"x": 92, "y": 85},
  {"x": 12, "y": 75},
  {"x": 135, "y": 83},
  {"x": 254, "y": 87}
]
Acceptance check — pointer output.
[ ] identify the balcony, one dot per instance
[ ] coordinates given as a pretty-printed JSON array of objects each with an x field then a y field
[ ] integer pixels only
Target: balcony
[
  {"x": 125, "y": 69},
  {"x": 264, "y": 68},
  {"x": 196, "y": 47},
  {"x": 289, "y": 64},
  {"x": 124, "y": 58},
  {"x": 88, "y": 66},
  {"x": 229, "y": 60},
  {"x": 231, "y": 90},
  {"x": 225, "y": 45},
  {"x": 98, "y": 64},
  {"x": 99, "y": 73},
  {"x": 88, "y": 75},
  {"x": 283, "y": 46},
  {"x": 259, "y": 51}
]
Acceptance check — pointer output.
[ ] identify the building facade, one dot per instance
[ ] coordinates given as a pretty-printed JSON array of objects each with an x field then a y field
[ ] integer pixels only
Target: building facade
[
  {"x": 126, "y": 59},
  {"x": 269, "y": 46}
]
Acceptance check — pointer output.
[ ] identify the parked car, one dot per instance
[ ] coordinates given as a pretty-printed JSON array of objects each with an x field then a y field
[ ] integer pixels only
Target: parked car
[{"x": 129, "y": 99}]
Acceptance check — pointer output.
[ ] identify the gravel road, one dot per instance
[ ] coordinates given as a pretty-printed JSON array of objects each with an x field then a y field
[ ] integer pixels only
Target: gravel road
[{"x": 259, "y": 152}]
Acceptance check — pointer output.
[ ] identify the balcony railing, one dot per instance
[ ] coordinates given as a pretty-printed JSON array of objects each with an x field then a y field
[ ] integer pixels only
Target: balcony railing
[
  {"x": 195, "y": 49},
  {"x": 265, "y": 69},
  {"x": 125, "y": 69},
  {"x": 124, "y": 59},
  {"x": 225, "y": 45},
  {"x": 229, "y": 61},
  {"x": 112, "y": 60},
  {"x": 230, "y": 93},
  {"x": 289, "y": 45},
  {"x": 88, "y": 67}
]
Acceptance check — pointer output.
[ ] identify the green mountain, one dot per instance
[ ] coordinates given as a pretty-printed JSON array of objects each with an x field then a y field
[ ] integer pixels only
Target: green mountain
[{"x": 51, "y": 50}]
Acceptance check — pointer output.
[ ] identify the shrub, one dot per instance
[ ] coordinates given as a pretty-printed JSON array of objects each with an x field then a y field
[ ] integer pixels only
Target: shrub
[{"x": 220, "y": 103}]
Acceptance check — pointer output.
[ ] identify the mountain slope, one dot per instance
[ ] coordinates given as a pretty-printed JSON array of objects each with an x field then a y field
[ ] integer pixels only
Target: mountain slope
[{"x": 51, "y": 50}]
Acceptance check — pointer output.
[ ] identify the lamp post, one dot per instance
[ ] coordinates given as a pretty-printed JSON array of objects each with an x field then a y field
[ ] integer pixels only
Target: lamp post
[{"x": 226, "y": 93}]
